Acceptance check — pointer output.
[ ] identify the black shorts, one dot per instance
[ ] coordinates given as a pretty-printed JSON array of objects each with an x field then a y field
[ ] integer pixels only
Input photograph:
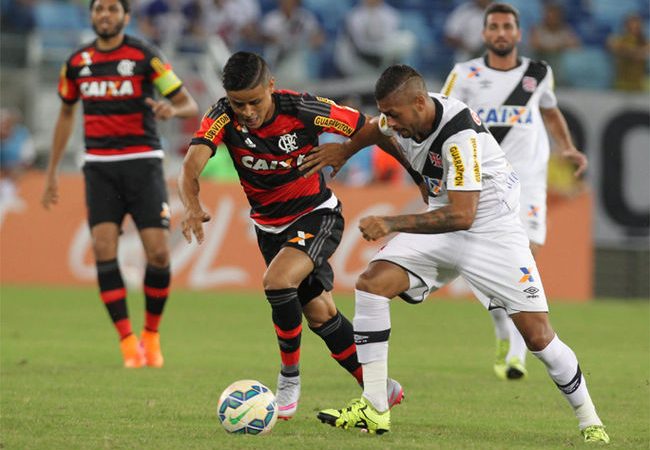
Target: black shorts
[
  {"x": 136, "y": 187},
  {"x": 318, "y": 234}
]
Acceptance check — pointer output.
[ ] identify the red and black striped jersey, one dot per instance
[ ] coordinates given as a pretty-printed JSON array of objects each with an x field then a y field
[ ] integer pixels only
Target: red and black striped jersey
[
  {"x": 267, "y": 158},
  {"x": 113, "y": 86}
]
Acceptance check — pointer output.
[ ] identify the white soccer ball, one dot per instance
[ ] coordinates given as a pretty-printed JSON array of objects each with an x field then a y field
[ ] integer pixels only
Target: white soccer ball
[{"x": 247, "y": 407}]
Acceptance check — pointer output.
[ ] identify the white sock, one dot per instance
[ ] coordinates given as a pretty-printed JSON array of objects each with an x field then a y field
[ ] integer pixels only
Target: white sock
[
  {"x": 562, "y": 365},
  {"x": 517, "y": 344},
  {"x": 371, "y": 332},
  {"x": 375, "y": 390},
  {"x": 500, "y": 319}
]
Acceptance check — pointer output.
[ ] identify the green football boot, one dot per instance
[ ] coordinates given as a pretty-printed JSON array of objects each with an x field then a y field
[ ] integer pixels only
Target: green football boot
[
  {"x": 358, "y": 414},
  {"x": 595, "y": 433},
  {"x": 515, "y": 369}
]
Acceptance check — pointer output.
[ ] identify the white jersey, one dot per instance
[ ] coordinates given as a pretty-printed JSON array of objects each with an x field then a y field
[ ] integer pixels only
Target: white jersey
[
  {"x": 460, "y": 155},
  {"x": 509, "y": 102},
  {"x": 493, "y": 255}
]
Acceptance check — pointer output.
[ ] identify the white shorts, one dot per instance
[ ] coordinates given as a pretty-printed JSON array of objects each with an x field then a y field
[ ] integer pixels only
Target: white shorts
[
  {"x": 497, "y": 263},
  {"x": 533, "y": 213}
]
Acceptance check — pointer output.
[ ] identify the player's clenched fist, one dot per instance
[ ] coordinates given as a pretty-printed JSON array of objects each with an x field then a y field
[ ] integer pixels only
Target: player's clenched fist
[
  {"x": 162, "y": 109},
  {"x": 192, "y": 224},
  {"x": 373, "y": 228}
]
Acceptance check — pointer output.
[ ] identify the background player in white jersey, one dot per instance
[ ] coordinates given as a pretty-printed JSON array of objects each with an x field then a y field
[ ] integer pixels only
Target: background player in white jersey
[
  {"x": 514, "y": 97},
  {"x": 471, "y": 229}
]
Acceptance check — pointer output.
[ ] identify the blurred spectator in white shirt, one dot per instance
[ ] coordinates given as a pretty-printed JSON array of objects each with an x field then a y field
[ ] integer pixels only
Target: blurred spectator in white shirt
[
  {"x": 234, "y": 21},
  {"x": 171, "y": 24},
  {"x": 291, "y": 33},
  {"x": 16, "y": 153},
  {"x": 371, "y": 40},
  {"x": 551, "y": 38},
  {"x": 464, "y": 29}
]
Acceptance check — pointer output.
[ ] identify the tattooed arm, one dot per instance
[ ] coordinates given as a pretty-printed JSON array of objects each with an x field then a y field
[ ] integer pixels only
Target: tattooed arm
[{"x": 457, "y": 215}]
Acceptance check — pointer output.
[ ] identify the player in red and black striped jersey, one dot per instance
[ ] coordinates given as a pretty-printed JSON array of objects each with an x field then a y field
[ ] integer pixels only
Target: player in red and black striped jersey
[
  {"x": 298, "y": 219},
  {"x": 115, "y": 77}
]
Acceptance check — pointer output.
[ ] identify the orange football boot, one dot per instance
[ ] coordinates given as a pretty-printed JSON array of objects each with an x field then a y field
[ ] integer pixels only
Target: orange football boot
[
  {"x": 132, "y": 352},
  {"x": 150, "y": 341}
]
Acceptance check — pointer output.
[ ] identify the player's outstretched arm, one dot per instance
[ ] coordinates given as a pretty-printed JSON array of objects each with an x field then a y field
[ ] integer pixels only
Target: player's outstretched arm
[
  {"x": 336, "y": 154},
  {"x": 181, "y": 105},
  {"x": 457, "y": 215},
  {"x": 559, "y": 130},
  {"x": 62, "y": 132},
  {"x": 188, "y": 186}
]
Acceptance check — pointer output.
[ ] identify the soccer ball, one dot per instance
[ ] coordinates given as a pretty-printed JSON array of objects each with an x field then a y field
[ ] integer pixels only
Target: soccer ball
[{"x": 247, "y": 407}]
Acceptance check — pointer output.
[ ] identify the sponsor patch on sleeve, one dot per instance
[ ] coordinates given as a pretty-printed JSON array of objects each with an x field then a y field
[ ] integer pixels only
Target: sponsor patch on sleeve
[
  {"x": 217, "y": 126},
  {"x": 328, "y": 122},
  {"x": 449, "y": 86},
  {"x": 476, "y": 168},
  {"x": 459, "y": 166}
]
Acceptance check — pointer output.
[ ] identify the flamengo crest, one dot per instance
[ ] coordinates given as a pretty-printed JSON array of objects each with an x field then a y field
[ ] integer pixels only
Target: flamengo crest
[
  {"x": 288, "y": 142},
  {"x": 125, "y": 67}
]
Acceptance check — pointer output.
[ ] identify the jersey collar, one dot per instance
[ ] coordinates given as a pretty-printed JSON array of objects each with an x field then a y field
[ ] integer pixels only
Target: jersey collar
[{"x": 485, "y": 61}]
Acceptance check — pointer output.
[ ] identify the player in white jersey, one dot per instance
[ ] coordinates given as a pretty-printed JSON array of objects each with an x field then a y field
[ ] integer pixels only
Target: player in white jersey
[
  {"x": 471, "y": 229},
  {"x": 514, "y": 98}
]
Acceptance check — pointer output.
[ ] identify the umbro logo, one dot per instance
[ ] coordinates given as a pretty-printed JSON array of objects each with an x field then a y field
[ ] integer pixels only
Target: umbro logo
[
  {"x": 85, "y": 72},
  {"x": 531, "y": 291},
  {"x": 361, "y": 339},
  {"x": 485, "y": 84}
]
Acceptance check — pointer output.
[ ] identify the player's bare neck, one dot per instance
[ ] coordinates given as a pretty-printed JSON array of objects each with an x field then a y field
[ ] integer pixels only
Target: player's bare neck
[
  {"x": 109, "y": 44},
  {"x": 430, "y": 122},
  {"x": 507, "y": 62}
]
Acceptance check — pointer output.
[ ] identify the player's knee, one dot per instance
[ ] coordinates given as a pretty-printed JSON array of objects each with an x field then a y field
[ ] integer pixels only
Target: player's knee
[
  {"x": 274, "y": 279},
  {"x": 318, "y": 314},
  {"x": 539, "y": 339},
  {"x": 158, "y": 257},
  {"x": 370, "y": 283},
  {"x": 104, "y": 249}
]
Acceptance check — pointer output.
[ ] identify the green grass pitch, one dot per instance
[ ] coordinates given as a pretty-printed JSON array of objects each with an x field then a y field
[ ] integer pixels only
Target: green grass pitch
[{"x": 62, "y": 385}]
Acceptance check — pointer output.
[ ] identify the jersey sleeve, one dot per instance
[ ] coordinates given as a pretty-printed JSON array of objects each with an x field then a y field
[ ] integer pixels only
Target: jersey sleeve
[
  {"x": 547, "y": 97},
  {"x": 462, "y": 155},
  {"x": 68, "y": 90},
  {"x": 453, "y": 86},
  {"x": 326, "y": 116},
  {"x": 213, "y": 127},
  {"x": 162, "y": 75}
]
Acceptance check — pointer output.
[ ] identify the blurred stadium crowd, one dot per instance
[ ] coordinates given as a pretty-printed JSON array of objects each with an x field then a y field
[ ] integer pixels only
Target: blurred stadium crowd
[
  {"x": 322, "y": 45},
  {"x": 335, "y": 48},
  {"x": 584, "y": 40}
]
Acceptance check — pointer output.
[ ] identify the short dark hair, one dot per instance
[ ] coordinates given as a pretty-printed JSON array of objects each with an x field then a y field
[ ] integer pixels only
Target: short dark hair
[
  {"x": 244, "y": 70},
  {"x": 126, "y": 4},
  {"x": 393, "y": 78},
  {"x": 501, "y": 8}
]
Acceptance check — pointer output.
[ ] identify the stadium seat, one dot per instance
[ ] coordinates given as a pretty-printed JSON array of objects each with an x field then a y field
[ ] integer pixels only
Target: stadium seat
[
  {"x": 530, "y": 12},
  {"x": 612, "y": 12},
  {"x": 589, "y": 67},
  {"x": 58, "y": 16},
  {"x": 417, "y": 24},
  {"x": 592, "y": 33},
  {"x": 59, "y": 26},
  {"x": 330, "y": 13}
]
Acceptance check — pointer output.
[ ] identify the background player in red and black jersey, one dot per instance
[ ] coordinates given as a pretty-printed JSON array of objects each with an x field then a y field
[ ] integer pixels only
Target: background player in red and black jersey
[
  {"x": 115, "y": 77},
  {"x": 297, "y": 219}
]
